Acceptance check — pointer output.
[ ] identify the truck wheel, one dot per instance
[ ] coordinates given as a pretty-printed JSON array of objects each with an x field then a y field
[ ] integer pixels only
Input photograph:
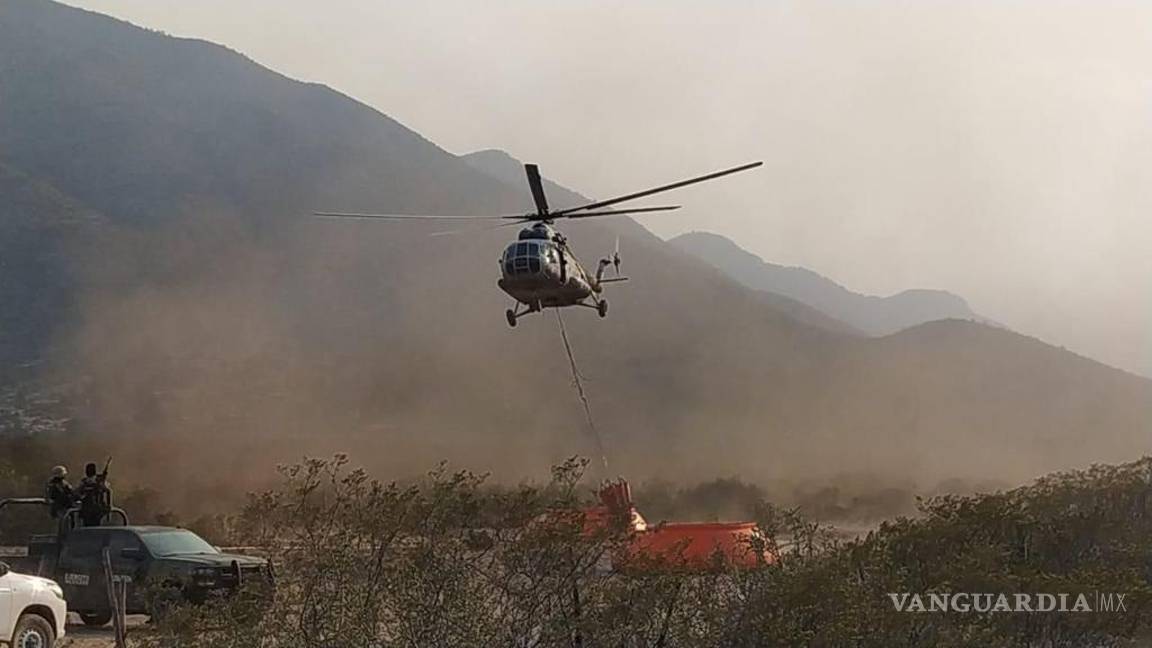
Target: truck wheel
[
  {"x": 96, "y": 619},
  {"x": 33, "y": 631}
]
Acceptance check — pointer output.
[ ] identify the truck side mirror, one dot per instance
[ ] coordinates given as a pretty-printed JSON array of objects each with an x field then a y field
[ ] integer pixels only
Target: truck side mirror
[
  {"x": 132, "y": 553},
  {"x": 4, "y": 569}
]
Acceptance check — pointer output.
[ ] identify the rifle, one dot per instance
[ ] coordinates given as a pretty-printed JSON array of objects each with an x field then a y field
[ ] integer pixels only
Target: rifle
[{"x": 105, "y": 493}]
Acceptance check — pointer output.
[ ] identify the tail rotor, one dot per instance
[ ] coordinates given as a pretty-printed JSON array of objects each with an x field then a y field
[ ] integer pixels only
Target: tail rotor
[{"x": 614, "y": 261}]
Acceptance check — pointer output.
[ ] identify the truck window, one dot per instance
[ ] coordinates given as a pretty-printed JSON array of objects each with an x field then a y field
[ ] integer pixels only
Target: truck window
[
  {"x": 174, "y": 543},
  {"x": 123, "y": 540},
  {"x": 82, "y": 546}
]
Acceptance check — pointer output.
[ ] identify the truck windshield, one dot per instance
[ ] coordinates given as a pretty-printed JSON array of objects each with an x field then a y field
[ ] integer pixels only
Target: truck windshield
[{"x": 173, "y": 543}]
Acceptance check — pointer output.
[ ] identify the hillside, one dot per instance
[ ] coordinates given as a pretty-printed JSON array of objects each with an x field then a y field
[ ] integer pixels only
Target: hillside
[
  {"x": 38, "y": 227},
  {"x": 868, "y": 313},
  {"x": 218, "y": 324},
  {"x": 501, "y": 166},
  {"x": 145, "y": 127},
  {"x": 959, "y": 393}
]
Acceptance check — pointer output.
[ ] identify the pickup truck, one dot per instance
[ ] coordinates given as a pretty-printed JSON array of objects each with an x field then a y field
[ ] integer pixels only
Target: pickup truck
[
  {"x": 32, "y": 610},
  {"x": 159, "y": 564},
  {"x": 177, "y": 560}
]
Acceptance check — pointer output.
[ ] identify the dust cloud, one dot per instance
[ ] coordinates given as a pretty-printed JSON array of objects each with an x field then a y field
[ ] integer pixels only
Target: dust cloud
[{"x": 236, "y": 349}]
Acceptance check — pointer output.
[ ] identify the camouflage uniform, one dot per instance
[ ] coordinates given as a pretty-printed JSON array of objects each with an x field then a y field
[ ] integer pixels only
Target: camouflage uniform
[
  {"x": 95, "y": 497},
  {"x": 59, "y": 493}
]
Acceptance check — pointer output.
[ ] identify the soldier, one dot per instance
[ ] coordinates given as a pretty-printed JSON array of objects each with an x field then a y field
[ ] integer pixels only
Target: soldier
[
  {"x": 59, "y": 492},
  {"x": 95, "y": 496}
]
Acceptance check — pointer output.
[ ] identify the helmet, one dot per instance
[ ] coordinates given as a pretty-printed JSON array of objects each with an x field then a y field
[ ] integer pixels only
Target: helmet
[{"x": 59, "y": 471}]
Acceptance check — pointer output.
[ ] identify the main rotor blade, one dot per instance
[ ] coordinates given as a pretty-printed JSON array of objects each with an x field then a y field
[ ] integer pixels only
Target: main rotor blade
[
  {"x": 414, "y": 216},
  {"x": 537, "y": 187},
  {"x": 667, "y": 187},
  {"x": 471, "y": 230},
  {"x": 620, "y": 212}
]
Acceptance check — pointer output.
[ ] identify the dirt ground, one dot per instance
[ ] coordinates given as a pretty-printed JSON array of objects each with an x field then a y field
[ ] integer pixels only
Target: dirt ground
[{"x": 80, "y": 636}]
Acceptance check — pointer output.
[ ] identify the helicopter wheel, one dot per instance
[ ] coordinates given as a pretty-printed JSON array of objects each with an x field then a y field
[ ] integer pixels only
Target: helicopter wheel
[
  {"x": 511, "y": 315},
  {"x": 602, "y": 308}
]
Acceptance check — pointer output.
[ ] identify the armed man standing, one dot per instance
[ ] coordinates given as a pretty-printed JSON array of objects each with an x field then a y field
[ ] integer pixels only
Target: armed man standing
[
  {"x": 95, "y": 495},
  {"x": 58, "y": 492}
]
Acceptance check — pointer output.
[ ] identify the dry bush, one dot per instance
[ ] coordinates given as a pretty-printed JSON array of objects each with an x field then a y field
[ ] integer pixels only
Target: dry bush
[{"x": 447, "y": 562}]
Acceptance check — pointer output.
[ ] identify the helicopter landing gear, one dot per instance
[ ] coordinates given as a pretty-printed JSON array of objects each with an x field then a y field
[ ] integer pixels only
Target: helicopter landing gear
[
  {"x": 512, "y": 315},
  {"x": 602, "y": 307}
]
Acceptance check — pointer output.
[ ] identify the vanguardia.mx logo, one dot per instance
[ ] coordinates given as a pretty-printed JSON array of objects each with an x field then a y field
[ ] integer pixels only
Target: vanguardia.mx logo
[{"x": 1017, "y": 602}]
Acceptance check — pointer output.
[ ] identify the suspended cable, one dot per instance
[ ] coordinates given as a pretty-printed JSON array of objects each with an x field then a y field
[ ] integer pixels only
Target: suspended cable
[{"x": 576, "y": 379}]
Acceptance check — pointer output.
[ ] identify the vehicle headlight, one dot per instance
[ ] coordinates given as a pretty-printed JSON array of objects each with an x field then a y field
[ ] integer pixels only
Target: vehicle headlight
[
  {"x": 204, "y": 574},
  {"x": 55, "y": 589}
]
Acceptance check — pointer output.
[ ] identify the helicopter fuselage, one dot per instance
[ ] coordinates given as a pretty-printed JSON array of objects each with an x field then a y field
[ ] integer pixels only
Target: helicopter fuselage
[{"x": 539, "y": 271}]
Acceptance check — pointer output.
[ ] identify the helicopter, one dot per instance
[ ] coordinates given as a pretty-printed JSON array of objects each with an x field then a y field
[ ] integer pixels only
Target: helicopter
[{"x": 539, "y": 269}]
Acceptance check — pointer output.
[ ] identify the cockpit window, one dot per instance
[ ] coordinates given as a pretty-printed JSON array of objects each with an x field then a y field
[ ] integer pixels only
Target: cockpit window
[{"x": 525, "y": 257}]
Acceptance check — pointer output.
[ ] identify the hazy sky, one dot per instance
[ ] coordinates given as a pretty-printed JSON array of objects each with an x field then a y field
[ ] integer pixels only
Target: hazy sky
[{"x": 998, "y": 149}]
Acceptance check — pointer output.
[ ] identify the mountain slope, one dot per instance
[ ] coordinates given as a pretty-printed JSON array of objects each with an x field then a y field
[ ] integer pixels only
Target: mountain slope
[
  {"x": 197, "y": 127},
  {"x": 873, "y": 315},
  {"x": 38, "y": 228},
  {"x": 218, "y": 326},
  {"x": 963, "y": 396},
  {"x": 501, "y": 166}
]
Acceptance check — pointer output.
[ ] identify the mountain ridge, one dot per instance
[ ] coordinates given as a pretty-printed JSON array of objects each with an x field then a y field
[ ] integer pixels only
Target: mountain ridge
[
  {"x": 872, "y": 314},
  {"x": 215, "y": 320}
]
